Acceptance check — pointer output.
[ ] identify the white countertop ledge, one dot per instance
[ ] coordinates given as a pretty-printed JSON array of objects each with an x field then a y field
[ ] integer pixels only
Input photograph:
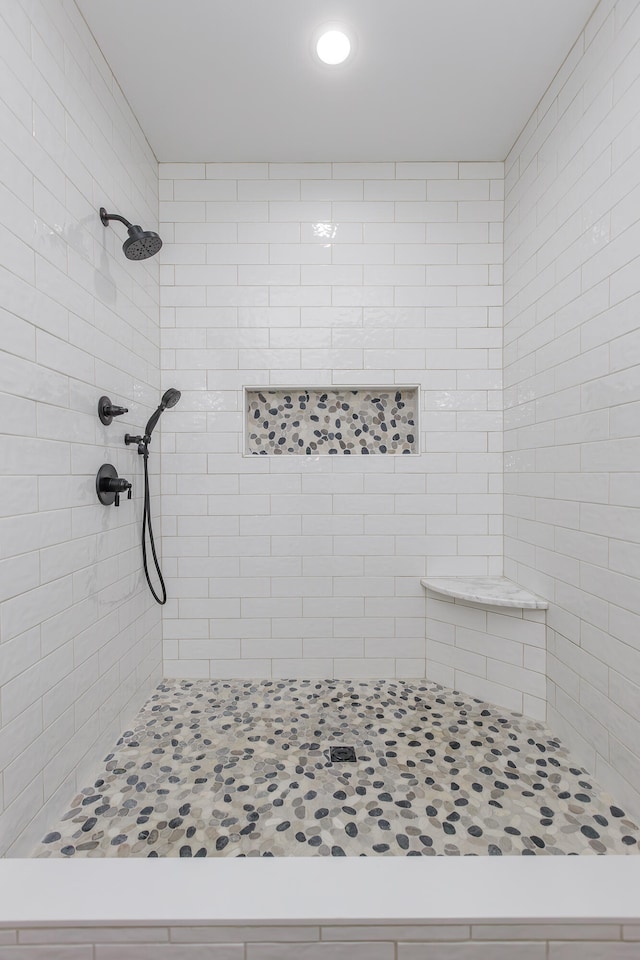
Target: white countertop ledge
[
  {"x": 493, "y": 591},
  {"x": 290, "y": 890}
]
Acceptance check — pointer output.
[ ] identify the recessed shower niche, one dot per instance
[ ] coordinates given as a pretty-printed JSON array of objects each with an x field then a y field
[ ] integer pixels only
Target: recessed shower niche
[{"x": 330, "y": 420}]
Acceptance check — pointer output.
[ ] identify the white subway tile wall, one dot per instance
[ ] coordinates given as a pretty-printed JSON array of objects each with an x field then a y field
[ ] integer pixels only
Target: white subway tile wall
[
  {"x": 495, "y": 653},
  {"x": 79, "y": 636},
  {"x": 288, "y": 274},
  {"x": 391, "y": 941},
  {"x": 572, "y": 391}
]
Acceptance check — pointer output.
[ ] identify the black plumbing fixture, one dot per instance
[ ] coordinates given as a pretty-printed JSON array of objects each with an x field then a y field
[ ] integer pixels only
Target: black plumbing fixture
[
  {"x": 109, "y": 485},
  {"x": 141, "y": 244},
  {"x": 107, "y": 411},
  {"x": 169, "y": 399}
]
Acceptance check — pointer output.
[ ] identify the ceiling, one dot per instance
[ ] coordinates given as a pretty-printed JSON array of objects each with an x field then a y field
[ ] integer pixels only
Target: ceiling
[{"x": 236, "y": 80}]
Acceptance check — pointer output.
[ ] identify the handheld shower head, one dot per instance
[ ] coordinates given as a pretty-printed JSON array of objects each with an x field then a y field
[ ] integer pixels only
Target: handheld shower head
[
  {"x": 141, "y": 244},
  {"x": 169, "y": 399}
]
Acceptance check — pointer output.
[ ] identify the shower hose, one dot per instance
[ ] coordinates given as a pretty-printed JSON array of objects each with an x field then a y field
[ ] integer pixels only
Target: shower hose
[{"x": 146, "y": 524}]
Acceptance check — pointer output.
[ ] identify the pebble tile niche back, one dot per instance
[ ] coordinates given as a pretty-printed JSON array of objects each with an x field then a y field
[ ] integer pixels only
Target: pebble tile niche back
[{"x": 319, "y": 421}]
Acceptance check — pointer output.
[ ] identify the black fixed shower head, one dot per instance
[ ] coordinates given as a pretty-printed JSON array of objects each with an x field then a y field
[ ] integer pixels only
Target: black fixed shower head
[
  {"x": 169, "y": 399},
  {"x": 141, "y": 244}
]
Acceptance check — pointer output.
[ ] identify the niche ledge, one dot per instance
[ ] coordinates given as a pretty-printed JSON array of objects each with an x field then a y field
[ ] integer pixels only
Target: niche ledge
[{"x": 489, "y": 591}]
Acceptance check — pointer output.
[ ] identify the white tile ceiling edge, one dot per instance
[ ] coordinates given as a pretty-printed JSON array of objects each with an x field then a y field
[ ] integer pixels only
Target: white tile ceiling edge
[{"x": 429, "y": 80}]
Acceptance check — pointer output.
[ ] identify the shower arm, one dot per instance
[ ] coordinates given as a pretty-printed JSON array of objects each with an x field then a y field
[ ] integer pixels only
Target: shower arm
[{"x": 106, "y": 217}]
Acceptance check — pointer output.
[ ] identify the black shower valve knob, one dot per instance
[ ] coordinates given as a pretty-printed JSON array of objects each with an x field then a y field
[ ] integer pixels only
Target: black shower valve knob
[
  {"x": 107, "y": 410},
  {"x": 118, "y": 485},
  {"x": 109, "y": 485}
]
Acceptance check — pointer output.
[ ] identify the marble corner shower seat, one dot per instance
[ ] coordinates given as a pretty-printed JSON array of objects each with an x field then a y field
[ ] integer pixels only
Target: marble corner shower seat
[{"x": 487, "y": 636}]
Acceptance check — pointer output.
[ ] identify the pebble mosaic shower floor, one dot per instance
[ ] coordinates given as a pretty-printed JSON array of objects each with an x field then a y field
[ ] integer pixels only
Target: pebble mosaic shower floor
[{"x": 235, "y": 768}]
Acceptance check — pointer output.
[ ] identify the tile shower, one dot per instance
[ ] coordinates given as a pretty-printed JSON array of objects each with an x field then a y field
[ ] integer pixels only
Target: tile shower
[
  {"x": 344, "y": 279},
  {"x": 326, "y": 276}
]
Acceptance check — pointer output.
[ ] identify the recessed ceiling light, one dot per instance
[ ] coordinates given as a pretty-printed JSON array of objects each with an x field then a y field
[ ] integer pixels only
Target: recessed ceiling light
[{"x": 333, "y": 47}]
